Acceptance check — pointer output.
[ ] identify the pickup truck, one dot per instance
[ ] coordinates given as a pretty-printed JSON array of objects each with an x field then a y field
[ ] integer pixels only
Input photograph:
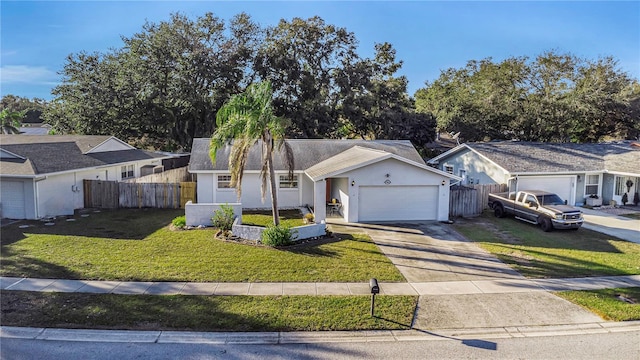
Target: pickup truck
[{"x": 537, "y": 207}]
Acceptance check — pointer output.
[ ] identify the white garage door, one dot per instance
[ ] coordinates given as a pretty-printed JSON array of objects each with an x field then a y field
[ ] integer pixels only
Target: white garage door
[
  {"x": 560, "y": 185},
  {"x": 392, "y": 203},
  {"x": 12, "y": 199}
]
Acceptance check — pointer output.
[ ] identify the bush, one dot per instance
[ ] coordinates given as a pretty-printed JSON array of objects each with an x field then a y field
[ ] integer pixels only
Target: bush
[
  {"x": 277, "y": 236},
  {"x": 223, "y": 218},
  {"x": 308, "y": 217},
  {"x": 179, "y": 222}
]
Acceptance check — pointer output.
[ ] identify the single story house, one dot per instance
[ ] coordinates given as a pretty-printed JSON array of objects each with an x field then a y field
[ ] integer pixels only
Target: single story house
[
  {"x": 42, "y": 175},
  {"x": 380, "y": 180},
  {"x": 578, "y": 173}
]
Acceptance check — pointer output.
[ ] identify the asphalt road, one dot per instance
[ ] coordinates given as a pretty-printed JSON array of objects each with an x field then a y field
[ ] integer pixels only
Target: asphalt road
[{"x": 623, "y": 345}]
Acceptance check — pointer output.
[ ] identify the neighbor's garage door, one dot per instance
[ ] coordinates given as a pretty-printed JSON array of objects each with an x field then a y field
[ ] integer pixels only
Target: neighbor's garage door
[
  {"x": 392, "y": 203},
  {"x": 560, "y": 185},
  {"x": 12, "y": 199}
]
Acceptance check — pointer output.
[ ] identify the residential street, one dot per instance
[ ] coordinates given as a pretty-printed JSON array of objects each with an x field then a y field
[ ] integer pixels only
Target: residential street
[{"x": 625, "y": 345}]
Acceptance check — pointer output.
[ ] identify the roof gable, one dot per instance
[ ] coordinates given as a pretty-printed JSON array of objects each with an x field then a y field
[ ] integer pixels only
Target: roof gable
[{"x": 111, "y": 144}]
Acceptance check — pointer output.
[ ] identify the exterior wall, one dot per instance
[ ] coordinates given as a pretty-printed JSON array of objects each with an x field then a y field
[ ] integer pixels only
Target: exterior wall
[
  {"x": 208, "y": 191},
  {"x": 201, "y": 213},
  {"x": 56, "y": 195},
  {"x": 399, "y": 174},
  {"x": 477, "y": 168},
  {"x": 341, "y": 189},
  {"x": 608, "y": 187},
  {"x": 111, "y": 145},
  {"x": 307, "y": 189}
]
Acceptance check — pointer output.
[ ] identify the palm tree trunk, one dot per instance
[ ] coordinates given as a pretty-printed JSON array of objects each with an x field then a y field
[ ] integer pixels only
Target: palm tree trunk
[{"x": 272, "y": 181}]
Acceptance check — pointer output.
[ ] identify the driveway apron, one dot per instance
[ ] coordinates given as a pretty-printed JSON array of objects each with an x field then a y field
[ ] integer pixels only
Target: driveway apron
[{"x": 434, "y": 252}]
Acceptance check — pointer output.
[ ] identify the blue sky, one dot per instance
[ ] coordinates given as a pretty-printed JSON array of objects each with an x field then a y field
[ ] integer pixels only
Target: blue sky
[{"x": 429, "y": 36}]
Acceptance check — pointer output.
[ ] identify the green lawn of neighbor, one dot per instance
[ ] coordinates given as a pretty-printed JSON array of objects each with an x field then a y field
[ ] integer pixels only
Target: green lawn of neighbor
[
  {"x": 557, "y": 254},
  {"x": 610, "y": 304}
]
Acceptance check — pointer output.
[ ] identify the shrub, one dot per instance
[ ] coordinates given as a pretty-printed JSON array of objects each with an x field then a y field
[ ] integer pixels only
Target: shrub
[
  {"x": 625, "y": 199},
  {"x": 277, "y": 236},
  {"x": 179, "y": 222},
  {"x": 223, "y": 218}
]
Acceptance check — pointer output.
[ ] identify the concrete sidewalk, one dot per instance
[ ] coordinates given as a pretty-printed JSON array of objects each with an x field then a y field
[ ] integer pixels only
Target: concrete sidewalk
[
  {"x": 435, "y": 288},
  {"x": 610, "y": 224}
]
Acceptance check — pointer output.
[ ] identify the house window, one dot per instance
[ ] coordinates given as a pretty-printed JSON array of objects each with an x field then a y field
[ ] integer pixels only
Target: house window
[
  {"x": 591, "y": 184},
  {"x": 448, "y": 168},
  {"x": 224, "y": 181},
  {"x": 288, "y": 183},
  {"x": 126, "y": 171}
]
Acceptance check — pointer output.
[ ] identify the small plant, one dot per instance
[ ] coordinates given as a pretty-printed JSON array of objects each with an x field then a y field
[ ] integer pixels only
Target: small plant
[
  {"x": 277, "y": 236},
  {"x": 308, "y": 218},
  {"x": 593, "y": 196},
  {"x": 636, "y": 199},
  {"x": 179, "y": 222},
  {"x": 223, "y": 218},
  {"x": 625, "y": 199}
]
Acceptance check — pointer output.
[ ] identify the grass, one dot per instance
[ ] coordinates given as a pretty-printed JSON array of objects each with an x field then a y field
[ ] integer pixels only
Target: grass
[
  {"x": 137, "y": 245},
  {"x": 608, "y": 303},
  {"x": 557, "y": 254},
  {"x": 290, "y": 218},
  {"x": 205, "y": 313},
  {"x": 632, "y": 216}
]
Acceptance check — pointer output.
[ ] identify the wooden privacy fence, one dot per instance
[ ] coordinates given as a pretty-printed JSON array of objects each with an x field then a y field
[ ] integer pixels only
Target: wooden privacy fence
[
  {"x": 471, "y": 200},
  {"x": 178, "y": 175},
  {"x": 113, "y": 194}
]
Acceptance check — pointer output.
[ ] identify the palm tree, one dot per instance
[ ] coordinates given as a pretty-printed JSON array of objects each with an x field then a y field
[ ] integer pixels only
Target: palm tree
[
  {"x": 10, "y": 121},
  {"x": 243, "y": 121}
]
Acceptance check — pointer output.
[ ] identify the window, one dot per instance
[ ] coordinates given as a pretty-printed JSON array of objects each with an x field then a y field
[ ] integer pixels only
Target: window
[
  {"x": 224, "y": 181},
  {"x": 288, "y": 183},
  {"x": 448, "y": 168},
  {"x": 126, "y": 171},
  {"x": 591, "y": 185}
]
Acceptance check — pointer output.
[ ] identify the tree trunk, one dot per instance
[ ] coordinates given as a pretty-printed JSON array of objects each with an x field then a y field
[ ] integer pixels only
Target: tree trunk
[{"x": 272, "y": 181}]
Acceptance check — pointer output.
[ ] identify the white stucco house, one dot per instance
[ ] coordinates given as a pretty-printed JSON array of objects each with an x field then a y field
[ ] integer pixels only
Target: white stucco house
[
  {"x": 42, "y": 175},
  {"x": 371, "y": 181},
  {"x": 578, "y": 173}
]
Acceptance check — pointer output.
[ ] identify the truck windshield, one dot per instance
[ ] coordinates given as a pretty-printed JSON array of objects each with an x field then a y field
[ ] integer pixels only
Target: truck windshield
[{"x": 550, "y": 199}]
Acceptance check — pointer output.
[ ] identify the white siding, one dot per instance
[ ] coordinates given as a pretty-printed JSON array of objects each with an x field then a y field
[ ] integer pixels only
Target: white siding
[{"x": 563, "y": 186}]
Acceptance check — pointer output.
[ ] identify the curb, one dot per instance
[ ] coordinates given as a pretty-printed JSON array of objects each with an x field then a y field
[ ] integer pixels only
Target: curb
[{"x": 302, "y": 337}]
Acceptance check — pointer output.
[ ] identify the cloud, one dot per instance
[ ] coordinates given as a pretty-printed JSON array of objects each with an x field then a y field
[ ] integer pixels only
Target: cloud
[{"x": 11, "y": 74}]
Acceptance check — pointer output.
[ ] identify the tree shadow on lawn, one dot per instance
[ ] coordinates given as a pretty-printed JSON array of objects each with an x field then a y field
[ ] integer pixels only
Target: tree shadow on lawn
[
  {"x": 19, "y": 264},
  {"x": 121, "y": 224},
  {"x": 515, "y": 232},
  {"x": 312, "y": 246}
]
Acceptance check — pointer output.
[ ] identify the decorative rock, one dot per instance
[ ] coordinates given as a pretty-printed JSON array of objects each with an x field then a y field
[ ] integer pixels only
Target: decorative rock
[
  {"x": 71, "y": 219},
  {"x": 24, "y": 226},
  {"x": 84, "y": 215},
  {"x": 49, "y": 224}
]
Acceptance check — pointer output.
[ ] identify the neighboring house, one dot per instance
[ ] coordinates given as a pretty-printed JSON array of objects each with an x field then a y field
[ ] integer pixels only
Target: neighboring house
[
  {"x": 41, "y": 175},
  {"x": 573, "y": 171},
  {"x": 371, "y": 180},
  {"x": 35, "y": 129}
]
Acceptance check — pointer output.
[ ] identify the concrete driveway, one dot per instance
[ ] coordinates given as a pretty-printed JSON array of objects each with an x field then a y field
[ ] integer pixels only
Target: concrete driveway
[{"x": 434, "y": 252}]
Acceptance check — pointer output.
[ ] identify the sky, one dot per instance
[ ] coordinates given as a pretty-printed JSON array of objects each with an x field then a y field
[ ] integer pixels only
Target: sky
[{"x": 429, "y": 36}]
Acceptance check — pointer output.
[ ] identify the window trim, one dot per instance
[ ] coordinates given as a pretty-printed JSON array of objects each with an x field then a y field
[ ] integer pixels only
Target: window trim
[
  {"x": 218, "y": 181},
  {"x": 127, "y": 172},
  {"x": 588, "y": 184},
  {"x": 284, "y": 179}
]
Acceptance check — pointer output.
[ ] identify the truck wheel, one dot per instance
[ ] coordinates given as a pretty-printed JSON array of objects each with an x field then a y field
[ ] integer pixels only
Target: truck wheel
[
  {"x": 546, "y": 225},
  {"x": 498, "y": 211}
]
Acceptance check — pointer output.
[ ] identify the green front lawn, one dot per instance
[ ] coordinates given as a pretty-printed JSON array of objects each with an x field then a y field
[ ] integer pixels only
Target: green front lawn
[
  {"x": 138, "y": 245},
  {"x": 556, "y": 254},
  {"x": 205, "y": 313},
  {"x": 610, "y": 304}
]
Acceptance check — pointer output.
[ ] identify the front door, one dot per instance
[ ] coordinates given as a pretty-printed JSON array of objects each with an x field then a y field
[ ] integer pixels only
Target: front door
[{"x": 624, "y": 185}]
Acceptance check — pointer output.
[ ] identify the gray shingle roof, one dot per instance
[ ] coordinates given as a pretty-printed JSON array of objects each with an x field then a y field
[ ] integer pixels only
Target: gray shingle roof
[
  {"x": 55, "y": 153},
  {"x": 533, "y": 157},
  {"x": 307, "y": 152}
]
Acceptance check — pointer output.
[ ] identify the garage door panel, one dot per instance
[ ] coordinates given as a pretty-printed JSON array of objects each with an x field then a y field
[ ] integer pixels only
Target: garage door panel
[
  {"x": 560, "y": 185},
  {"x": 393, "y": 203},
  {"x": 12, "y": 199}
]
